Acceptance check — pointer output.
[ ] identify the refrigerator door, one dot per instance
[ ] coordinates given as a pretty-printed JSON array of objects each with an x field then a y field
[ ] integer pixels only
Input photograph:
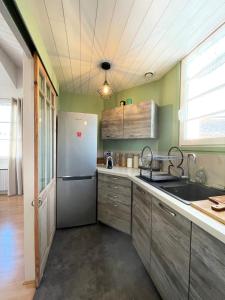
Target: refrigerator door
[
  {"x": 76, "y": 201},
  {"x": 76, "y": 144}
]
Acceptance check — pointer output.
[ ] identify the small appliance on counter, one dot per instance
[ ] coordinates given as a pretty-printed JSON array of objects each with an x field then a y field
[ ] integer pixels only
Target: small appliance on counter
[
  {"x": 109, "y": 162},
  {"x": 175, "y": 158},
  {"x": 109, "y": 159}
]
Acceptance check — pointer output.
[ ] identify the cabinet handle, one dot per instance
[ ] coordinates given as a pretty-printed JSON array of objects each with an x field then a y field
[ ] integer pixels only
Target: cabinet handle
[
  {"x": 115, "y": 178},
  {"x": 115, "y": 196},
  {"x": 116, "y": 205},
  {"x": 140, "y": 190},
  {"x": 115, "y": 187},
  {"x": 167, "y": 210}
]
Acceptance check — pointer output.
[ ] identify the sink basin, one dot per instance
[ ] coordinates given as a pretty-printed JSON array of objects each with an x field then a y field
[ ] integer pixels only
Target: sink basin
[{"x": 190, "y": 192}]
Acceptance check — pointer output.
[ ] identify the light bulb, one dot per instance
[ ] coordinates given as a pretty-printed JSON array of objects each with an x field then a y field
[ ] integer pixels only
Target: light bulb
[{"x": 105, "y": 89}]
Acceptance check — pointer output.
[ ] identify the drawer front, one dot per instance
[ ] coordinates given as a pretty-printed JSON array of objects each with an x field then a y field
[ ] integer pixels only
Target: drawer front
[
  {"x": 108, "y": 193},
  {"x": 114, "y": 180},
  {"x": 170, "y": 251},
  {"x": 116, "y": 215}
]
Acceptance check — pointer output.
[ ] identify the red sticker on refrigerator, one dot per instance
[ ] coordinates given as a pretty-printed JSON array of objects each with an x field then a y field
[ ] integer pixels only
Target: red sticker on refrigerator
[{"x": 79, "y": 134}]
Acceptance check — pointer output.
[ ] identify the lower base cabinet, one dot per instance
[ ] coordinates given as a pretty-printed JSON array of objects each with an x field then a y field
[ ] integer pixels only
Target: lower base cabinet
[
  {"x": 170, "y": 252},
  {"x": 141, "y": 224},
  {"x": 207, "y": 272},
  {"x": 114, "y": 202}
]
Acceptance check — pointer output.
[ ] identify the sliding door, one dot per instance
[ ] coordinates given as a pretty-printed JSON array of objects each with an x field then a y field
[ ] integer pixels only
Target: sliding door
[{"x": 45, "y": 165}]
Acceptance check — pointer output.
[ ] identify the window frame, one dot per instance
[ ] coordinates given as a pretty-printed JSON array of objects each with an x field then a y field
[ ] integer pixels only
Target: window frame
[{"x": 217, "y": 142}]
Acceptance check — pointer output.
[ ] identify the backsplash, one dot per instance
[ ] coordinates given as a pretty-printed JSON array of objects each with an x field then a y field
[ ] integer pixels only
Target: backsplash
[{"x": 212, "y": 164}]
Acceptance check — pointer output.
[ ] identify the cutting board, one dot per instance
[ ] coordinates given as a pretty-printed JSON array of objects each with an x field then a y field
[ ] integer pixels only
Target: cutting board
[{"x": 205, "y": 207}]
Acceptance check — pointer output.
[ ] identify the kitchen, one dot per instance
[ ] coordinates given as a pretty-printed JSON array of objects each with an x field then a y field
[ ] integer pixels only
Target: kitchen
[{"x": 138, "y": 154}]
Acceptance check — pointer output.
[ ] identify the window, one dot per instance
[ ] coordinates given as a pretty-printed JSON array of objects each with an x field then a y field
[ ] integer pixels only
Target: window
[
  {"x": 46, "y": 129},
  {"x": 5, "y": 120},
  {"x": 202, "y": 111}
]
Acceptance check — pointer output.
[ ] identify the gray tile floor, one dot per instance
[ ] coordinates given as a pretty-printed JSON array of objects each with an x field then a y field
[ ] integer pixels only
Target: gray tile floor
[{"x": 94, "y": 263}]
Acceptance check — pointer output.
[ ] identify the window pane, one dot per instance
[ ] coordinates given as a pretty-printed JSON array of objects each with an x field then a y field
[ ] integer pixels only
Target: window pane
[
  {"x": 5, "y": 112},
  {"x": 41, "y": 141},
  {"x": 41, "y": 82},
  {"x": 48, "y": 148},
  {"x": 4, "y": 131},
  {"x": 203, "y": 92},
  {"x": 52, "y": 140},
  {"x": 4, "y": 148},
  {"x": 207, "y": 104},
  {"x": 48, "y": 93},
  {"x": 206, "y": 82},
  {"x": 208, "y": 127}
]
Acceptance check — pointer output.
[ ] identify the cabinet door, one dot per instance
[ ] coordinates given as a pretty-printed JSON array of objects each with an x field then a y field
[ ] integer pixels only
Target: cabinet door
[
  {"x": 141, "y": 224},
  {"x": 112, "y": 123},
  {"x": 170, "y": 251},
  {"x": 207, "y": 272},
  {"x": 140, "y": 120}
]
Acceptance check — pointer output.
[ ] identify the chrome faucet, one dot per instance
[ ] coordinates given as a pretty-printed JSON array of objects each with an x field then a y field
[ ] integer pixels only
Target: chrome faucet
[{"x": 188, "y": 163}]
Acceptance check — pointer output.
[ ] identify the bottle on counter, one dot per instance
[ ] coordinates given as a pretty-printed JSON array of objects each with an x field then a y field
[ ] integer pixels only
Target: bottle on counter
[
  {"x": 123, "y": 160},
  {"x": 129, "y": 161},
  {"x": 135, "y": 161}
]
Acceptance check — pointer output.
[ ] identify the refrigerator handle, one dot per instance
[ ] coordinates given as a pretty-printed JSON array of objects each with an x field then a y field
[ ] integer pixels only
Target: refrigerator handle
[{"x": 77, "y": 177}]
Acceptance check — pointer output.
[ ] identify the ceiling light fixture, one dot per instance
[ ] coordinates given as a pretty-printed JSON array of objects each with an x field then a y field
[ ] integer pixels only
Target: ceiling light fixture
[
  {"x": 106, "y": 90},
  {"x": 149, "y": 75}
]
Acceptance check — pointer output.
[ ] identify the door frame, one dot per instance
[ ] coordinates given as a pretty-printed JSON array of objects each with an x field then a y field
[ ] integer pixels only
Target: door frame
[{"x": 39, "y": 68}]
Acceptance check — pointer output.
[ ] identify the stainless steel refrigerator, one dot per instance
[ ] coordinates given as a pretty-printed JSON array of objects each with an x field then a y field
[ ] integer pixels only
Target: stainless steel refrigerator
[{"x": 76, "y": 169}]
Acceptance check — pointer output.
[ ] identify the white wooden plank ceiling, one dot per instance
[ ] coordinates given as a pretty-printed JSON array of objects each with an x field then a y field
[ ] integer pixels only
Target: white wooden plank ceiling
[{"x": 136, "y": 36}]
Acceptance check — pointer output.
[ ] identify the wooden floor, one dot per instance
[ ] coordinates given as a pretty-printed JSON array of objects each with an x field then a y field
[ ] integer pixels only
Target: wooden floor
[{"x": 11, "y": 251}]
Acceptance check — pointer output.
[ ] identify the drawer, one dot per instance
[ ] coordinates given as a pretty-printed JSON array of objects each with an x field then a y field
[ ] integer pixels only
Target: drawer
[
  {"x": 116, "y": 215},
  {"x": 114, "y": 180},
  {"x": 114, "y": 192},
  {"x": 143, "y": 197}
]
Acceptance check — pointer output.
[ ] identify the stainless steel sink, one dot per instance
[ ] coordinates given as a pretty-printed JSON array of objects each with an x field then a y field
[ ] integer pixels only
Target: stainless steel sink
[{"x": 190, "y": 192}]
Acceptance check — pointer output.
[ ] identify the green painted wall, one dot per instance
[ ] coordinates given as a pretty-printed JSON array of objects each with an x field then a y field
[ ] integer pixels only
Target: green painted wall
[
  {"x": 84, "y": 104},
  {"x": 31, "y": 25},
  {"x": 169, "y": 106}
]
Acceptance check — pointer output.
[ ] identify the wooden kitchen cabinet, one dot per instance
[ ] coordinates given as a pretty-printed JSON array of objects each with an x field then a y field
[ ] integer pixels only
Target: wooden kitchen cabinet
[
  {"x": 207, "y": 271},
  {"x": 114, "y": 202},
  {"x": 112, "y": 123},
  {"x": 134, "y": 121},
  {"x": 140, "y": 120},
  {"x": 170, "y": 251},
  {"x": 141, "y": 224}
]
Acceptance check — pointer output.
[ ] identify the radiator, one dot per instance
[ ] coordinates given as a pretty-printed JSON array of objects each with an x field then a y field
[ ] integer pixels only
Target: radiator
[{"x": 3, "y": 181}]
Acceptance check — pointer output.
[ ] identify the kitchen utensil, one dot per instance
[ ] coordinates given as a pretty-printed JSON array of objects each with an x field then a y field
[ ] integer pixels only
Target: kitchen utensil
[{"x": 205, "y": 207}]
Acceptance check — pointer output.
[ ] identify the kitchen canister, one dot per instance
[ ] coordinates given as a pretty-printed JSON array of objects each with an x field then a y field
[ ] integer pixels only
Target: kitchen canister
[
  {"x": 135, "y": 161},
  {"x": 123, "y": 159},
  {"x": 129, "y": 161}
]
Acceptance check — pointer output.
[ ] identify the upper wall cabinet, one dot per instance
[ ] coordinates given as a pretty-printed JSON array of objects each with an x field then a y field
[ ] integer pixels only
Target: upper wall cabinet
[
  {"x": 135, "y": 121},
  {"x": 140, "y": 120},
  {"x": 112, "y": 123}
]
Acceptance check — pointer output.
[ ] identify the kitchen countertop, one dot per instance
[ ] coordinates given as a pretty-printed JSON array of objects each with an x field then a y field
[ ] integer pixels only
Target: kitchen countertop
[{"x": 207, "y": 223}]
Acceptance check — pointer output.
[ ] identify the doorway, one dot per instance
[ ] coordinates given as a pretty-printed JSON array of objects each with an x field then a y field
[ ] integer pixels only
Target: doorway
[{"x": 13, "y": 69}]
